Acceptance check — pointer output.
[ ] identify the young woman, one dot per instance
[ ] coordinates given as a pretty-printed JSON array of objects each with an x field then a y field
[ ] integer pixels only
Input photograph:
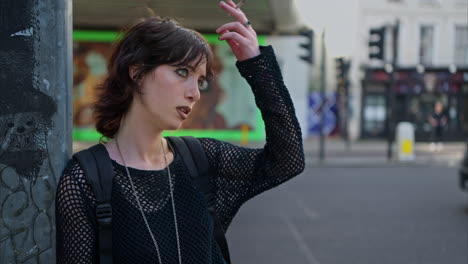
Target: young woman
[{"x": 155, "y": 76}]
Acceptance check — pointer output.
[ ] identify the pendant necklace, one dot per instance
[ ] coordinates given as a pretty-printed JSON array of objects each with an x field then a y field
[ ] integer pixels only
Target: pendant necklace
[{"x": 141, "y": 207}]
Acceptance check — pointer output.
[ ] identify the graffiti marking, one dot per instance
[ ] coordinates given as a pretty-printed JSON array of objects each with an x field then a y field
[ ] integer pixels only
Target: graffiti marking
[
  {"x": 27, "y": 32},
  {"x": 47, "y": 84}
]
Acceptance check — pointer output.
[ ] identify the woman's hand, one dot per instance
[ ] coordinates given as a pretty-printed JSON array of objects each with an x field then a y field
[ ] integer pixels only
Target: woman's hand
[{"x": 240, "y": 35}]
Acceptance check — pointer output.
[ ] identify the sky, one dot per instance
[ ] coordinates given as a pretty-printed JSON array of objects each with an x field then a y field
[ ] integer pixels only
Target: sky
[{"x": 338, "y": 17}]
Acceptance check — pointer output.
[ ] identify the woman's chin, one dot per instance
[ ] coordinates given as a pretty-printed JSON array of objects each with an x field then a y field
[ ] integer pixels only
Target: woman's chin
[{"x": 173, "y": 126}]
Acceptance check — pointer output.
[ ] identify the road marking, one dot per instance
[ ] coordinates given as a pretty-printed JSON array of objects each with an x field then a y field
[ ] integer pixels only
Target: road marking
[
  {"x": 299, "y": 240},
  {"x": 303, "y": 206}
]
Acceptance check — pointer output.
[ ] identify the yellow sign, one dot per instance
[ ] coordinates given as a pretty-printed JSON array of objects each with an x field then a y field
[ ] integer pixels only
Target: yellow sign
[{"x": 407, "y": 146}]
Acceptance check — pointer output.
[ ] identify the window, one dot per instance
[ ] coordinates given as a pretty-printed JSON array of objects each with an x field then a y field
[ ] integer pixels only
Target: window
[
  {"x": 375, "y": 113},
  {"x": 426, "y": 46},
  {"x": 461, "y": 45}
]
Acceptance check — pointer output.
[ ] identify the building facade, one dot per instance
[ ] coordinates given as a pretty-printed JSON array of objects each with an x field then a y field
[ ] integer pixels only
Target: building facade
[{"x": 432, "y": 65}]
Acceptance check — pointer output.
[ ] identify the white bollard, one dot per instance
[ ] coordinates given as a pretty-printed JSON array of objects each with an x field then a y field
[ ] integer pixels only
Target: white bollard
[{"x": 405, "y": 141}]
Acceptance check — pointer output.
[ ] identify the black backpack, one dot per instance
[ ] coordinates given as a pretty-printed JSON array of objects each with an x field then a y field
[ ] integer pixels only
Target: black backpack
[{"x": 97, "y": 167}]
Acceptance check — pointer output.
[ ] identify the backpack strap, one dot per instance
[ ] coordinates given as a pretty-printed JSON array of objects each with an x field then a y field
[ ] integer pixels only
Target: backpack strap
[
  {"x": 195, "y": 159},
  {"x": 97, "y": 167}
]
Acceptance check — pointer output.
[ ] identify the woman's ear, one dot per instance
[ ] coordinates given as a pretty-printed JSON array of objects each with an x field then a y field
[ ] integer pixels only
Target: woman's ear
[
  {"x": 132, "y": 72},
  {"x": 135, "y": 75}
]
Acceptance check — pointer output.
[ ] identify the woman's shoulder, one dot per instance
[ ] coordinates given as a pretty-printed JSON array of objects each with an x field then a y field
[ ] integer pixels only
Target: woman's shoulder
[
  {"x": 214, "y": 145},
  {"x": 73, "y": 173},
  {"x": 211, "y": 147},
  {"x": 73, "y": 191},
  {"x": 209, "y": 142}
]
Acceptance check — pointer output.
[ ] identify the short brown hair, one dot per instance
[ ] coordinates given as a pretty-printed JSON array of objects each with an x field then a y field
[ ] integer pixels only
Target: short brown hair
[{"x": 146, "y": 45}]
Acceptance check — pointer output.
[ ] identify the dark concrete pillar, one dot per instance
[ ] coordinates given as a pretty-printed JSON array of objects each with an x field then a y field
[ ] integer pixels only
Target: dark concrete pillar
[{"x": 35, "y": 123}]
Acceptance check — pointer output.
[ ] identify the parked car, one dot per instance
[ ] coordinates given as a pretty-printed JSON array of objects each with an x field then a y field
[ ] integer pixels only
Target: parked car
[{"x": 464, "y": 171}]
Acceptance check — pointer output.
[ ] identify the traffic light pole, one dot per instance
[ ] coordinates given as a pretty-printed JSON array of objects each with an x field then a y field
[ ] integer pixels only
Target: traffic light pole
[
  {"x": 346, "y": 113},
  {"x": 391, "y": 90},
  {"x": 323, "y": 80},
  {"x": 342, "y": 67}
]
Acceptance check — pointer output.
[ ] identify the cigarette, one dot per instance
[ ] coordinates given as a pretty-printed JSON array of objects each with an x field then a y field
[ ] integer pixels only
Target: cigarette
[{"x": 240, "y": 3}]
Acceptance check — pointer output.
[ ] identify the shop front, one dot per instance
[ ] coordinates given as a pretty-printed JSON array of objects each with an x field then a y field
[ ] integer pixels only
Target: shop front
[{"x": 415, "y": 94}]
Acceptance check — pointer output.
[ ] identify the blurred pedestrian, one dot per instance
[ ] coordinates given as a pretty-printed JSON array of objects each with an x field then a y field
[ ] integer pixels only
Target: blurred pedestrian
[
  {"x": 158, "y": 214},
  {"x": 438, "y": 120}
]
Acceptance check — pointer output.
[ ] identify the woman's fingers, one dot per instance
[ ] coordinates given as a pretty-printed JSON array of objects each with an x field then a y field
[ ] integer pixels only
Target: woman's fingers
[
  {"x": 234, "y": 36},
  {"x": 230, "y": 7},
  {"x": 234, "y": 12},
  {"x": 231, "y": 42},
  {"x": 237, "y": 27},
  {"x": 240, "y": 35},
  {"x": 238, "y": 44},
  {"x": 231, "y": 3}
]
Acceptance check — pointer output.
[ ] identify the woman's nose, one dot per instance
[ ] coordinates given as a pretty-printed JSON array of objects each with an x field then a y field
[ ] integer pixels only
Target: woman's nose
[{"x": 192, "y": 93}]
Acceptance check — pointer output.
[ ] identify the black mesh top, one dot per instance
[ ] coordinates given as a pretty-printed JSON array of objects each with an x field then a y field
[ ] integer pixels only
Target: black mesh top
[{"x": 240, "y": 174}]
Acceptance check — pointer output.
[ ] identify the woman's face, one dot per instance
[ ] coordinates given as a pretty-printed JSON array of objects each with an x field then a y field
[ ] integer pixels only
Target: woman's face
[{"x": 169, "y": 94}]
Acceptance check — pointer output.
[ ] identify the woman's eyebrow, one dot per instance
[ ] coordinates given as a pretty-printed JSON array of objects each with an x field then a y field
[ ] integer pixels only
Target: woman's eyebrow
[
  {"x": 190, "y": 67},
  {"x": 193, "y": 70}
]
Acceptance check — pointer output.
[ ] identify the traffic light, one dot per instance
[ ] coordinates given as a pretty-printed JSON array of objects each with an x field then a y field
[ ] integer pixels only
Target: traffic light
[
  {"x": 377, "y": 43},
  {"x": 308, "y": 46},
  {"x": 342, "y": 68}
]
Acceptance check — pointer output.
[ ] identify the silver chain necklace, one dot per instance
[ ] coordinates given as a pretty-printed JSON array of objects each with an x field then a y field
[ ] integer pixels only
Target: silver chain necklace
[{"x": 141, "y": 207}]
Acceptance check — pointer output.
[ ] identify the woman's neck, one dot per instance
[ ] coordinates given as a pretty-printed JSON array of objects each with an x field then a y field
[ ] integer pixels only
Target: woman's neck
[{"x": 141, "y": 145}]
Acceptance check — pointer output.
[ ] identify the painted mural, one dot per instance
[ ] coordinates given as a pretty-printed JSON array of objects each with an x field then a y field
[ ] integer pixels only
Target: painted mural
[{"x": 89, "y": 70}]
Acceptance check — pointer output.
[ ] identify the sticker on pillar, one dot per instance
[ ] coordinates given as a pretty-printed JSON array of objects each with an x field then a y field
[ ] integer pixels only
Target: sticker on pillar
[{"x": 407, "y": 147}]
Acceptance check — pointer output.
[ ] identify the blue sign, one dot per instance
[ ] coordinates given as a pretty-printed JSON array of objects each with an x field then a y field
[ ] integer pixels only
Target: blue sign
[{"x": 317, "y": 104}]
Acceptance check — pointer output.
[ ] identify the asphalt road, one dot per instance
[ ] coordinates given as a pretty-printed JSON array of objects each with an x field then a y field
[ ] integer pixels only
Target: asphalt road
[{"x": 398, "y": 215}]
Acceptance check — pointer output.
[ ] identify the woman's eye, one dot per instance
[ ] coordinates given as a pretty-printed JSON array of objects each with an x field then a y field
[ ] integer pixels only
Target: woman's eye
[
  {"x": 182, "y": 72},
  {"x": 202, "y": 85}
]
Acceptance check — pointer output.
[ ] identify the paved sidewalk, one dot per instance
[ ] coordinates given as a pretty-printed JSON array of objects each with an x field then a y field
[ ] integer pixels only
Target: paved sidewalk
[
  {"x": 374, "y": 154},
  {"x": 363, "y": 153}
]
